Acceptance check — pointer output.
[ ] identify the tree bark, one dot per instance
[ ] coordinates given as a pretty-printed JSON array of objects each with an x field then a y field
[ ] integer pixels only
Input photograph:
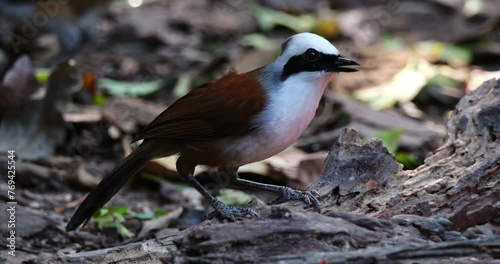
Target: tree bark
[{"x": 460, "y": 180}]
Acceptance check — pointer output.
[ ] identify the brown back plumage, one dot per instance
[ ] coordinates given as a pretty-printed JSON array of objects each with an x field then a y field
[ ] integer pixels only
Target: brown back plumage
[{"x": 197, "y": 116}]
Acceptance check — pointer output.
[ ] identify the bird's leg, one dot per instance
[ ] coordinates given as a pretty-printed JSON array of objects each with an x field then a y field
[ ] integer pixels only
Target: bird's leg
[
  {"x": 186, "y": 170},
  {"x": 286, "y": 193}
]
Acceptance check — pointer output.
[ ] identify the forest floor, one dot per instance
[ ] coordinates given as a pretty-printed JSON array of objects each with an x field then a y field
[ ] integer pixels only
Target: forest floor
[{"x": 68, "y": 130}]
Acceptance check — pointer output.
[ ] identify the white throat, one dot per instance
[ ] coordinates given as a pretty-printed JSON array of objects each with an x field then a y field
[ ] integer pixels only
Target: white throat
[
  {"x": 290, "y": 109},
  {"x": 294, "y": 101}
]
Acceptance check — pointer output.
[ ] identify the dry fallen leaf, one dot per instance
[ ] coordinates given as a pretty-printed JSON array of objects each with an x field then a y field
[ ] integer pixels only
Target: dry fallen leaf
[
  {"x": 409, "y": 81},
  {"x": 413, "y": 77},
  {"x": 160, "y": 222}
]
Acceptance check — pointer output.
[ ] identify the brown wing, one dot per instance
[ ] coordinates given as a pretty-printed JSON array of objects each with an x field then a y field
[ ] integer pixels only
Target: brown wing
[{"x": 214, "y": 111}]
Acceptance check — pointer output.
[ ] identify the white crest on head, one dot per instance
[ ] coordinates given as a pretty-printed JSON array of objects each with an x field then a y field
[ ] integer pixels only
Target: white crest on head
[{"x": 299, "y": 43}]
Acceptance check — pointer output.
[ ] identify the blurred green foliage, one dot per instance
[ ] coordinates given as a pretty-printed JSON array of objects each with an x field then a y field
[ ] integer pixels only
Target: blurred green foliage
[
  {"x": 390, "y": 139},
  {"x": 115, "y": 87},
  {"x": 113, "y": 217},
  {"x": 233, "y": 197}
]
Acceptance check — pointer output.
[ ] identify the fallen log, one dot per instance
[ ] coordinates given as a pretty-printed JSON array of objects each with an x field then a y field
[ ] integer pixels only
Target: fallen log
[{"x": 460, "y": 180}]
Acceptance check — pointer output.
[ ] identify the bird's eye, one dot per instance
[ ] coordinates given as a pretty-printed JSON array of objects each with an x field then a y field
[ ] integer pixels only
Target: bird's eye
[{"x": 311, "y": 55}]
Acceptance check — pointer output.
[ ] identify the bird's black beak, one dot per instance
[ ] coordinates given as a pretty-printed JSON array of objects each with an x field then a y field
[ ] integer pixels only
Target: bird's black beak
[{"x": 338, "y": 65}]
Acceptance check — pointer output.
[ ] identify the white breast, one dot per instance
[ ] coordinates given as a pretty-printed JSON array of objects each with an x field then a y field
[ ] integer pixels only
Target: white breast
[{"x": 289, "y": 111}]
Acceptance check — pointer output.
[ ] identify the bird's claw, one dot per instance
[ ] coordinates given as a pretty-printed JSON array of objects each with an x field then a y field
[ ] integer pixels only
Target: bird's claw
[
  {"x": 230, "y": 212},
  {"x": 308, "y": 197}
]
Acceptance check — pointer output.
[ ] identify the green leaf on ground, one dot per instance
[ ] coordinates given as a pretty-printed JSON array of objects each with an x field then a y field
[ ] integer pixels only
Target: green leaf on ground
[
  {"x": 99, "y": 99},
  {"x": 115, "y": 87},
  {"x": 260, "y": 42},
  {"x": 390, "y": 139},
  {"x": 148, "y": 214},
  {"x": 409, "y": 160},
  {"x": 234, "y": 197},
  {"x": 42, "y": 74},
  {"x": 183, "y": 85},
  {"x": 453, "y": 54},
  {"x": 269, "y": 19},
  {"x": 113, "y": 217}
]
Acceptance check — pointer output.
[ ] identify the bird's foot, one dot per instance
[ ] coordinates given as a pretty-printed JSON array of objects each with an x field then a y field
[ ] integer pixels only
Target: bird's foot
[
  {"x": 230, "y": 212},
  {"x": 308, "y": 197}
]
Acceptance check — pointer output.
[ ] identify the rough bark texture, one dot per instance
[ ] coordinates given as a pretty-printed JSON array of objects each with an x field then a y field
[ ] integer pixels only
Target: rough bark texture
[
  {"x": 373, "y": 211},
  {"x": 460, "y": 180}
]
